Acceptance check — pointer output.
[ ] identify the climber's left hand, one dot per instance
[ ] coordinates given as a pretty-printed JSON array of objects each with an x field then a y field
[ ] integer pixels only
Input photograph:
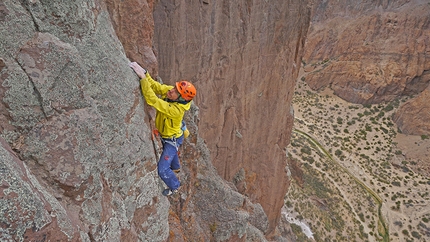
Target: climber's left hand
[{"x": 138, "y": 69}]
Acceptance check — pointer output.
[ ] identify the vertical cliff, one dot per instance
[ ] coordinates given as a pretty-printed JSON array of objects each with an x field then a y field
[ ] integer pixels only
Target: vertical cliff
[
  {"x": 76, "y": 156},
  {"x": 77, "y": 161},
  {"x": 134, "y": 25},
  {"x": 244, "y": 57}
]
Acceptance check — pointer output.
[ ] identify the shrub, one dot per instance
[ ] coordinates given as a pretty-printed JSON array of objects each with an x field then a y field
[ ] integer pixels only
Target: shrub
[
  {"x": 306, "y": 150},
  {"x": 384, "y": 130},
  {"x": 368, "y": 128},
  {"x": 361, "y": 216},
  {"x": 389, "y": 107},
  {"x": 416, "y": 235}
]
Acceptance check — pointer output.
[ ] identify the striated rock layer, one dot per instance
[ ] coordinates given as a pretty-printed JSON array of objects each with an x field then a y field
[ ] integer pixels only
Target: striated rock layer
[
  {"x": 244, "y": 57},
  {"x": 370, "y": 52}
]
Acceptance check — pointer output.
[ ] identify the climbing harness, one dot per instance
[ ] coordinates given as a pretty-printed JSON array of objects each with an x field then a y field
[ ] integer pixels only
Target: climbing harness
[{"x": 172, "y": 141}]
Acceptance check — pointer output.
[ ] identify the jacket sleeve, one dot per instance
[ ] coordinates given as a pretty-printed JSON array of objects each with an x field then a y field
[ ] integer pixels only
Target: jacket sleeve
[
  {"x": 150, "y": 89},
  {"x": 158, "y": 88}
]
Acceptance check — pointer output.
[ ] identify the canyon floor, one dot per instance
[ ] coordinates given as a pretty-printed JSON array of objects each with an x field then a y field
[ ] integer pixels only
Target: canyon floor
[{"x": 355, "y": 177}]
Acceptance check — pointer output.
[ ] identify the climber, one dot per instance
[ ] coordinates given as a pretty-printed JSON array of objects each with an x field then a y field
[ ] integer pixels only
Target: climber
[{"x": 170, "y": 109}]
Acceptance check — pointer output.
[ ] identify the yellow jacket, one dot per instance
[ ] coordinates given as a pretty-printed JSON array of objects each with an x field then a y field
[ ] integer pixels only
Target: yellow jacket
[{"x": 169, "y": 115}]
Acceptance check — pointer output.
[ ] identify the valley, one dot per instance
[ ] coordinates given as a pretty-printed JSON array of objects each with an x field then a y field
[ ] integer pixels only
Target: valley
[{"x": 355, "y": 176}]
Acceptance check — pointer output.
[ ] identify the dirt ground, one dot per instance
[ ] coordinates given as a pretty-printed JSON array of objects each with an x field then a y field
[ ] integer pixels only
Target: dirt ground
[{"x": 368, "y": 163}]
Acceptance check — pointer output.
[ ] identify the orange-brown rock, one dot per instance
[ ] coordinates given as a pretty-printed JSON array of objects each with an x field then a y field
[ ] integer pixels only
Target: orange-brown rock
[
  {"x": 369, "y": 52},
  {"x": 244, "y": 57},
  {"x": 413, "y": 117},
  {"x": 134, "y": 26}
]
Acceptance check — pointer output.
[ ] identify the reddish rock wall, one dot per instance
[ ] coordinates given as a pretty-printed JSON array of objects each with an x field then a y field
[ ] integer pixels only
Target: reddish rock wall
[
  {"x": 413, "y": 117},
  {"x": 134, "y": 26},
  {"x": 244, "y": 57},
  {"x": 370, "y": 52}
]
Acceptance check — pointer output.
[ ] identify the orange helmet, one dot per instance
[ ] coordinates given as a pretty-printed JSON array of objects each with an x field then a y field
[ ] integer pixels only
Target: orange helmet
[{"x": 186, "y": 89}]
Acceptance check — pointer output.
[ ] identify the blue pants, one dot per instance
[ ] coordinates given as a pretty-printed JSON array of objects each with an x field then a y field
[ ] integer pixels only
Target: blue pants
[{"x": 169, "y": 161}]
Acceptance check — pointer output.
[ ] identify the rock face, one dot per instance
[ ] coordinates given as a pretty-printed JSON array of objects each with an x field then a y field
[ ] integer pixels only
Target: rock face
[
  {"x": 413, "y": 117},
  {"x": 134, "y": 25},
  {"x": 77, "y": 161},
  {"x": 76, "y": 158},
  {"x": 243, "y": 57},
  {"x": 370, "y": 52}
]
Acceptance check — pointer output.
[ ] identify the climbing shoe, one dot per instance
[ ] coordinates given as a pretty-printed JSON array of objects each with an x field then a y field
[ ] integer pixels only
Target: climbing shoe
[{"x": 169, "y": 192}]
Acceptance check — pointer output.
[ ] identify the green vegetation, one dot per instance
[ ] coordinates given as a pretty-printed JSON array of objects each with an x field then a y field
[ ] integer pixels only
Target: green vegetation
[
  {"x": 322, "y": 192},
  {"x": 213, "y": 227},
  {"x": 330, "y": 140},
  {"x": 337, "y": 143}
]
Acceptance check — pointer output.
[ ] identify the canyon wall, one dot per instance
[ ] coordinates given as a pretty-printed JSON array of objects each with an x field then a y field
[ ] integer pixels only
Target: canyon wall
[
  {"x": 244, "y": 57},
  {"x": 371, "y": 52},
  {"x": 77, "y": 160}
]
